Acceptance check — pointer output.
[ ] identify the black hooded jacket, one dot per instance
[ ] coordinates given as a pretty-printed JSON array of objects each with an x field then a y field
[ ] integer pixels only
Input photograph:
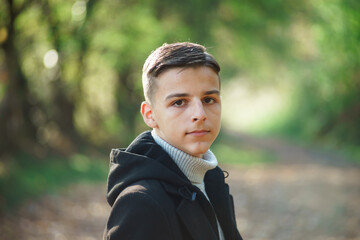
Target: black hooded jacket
[{"x": 152, "y": 199}]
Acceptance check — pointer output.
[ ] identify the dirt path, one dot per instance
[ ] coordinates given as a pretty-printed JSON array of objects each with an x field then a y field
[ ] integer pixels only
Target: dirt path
[
  {"x": 78, "y": 213},
  {"x": 292, "y": 202},
  {"x": 307, "y": 194}
]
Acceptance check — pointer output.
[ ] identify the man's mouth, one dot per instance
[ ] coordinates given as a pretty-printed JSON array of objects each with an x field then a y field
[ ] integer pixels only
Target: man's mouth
[{"x": 198, "y": 133}]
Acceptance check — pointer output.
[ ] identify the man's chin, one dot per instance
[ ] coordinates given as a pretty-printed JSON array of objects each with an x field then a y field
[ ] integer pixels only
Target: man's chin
[{"x": 199, "y": 151}]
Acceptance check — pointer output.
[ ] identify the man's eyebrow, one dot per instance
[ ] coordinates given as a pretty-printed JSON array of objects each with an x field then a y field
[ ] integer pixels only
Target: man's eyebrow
[
  {"x": 175, "y": 95},
  {"x": 212, "y": 92}
]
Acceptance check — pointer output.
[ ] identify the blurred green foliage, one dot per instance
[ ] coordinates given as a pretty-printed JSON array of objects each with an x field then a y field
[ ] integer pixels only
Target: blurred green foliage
[{"x": 90, "y": 92}]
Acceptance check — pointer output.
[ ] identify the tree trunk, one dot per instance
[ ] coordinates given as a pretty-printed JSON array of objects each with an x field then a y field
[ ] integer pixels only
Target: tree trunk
[
  {"x": 128, "y": 102},
  {"x": 17, "y": 128}
]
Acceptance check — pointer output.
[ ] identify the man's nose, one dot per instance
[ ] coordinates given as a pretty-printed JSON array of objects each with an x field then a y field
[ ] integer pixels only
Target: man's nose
[{"x": 198, "y": 112}]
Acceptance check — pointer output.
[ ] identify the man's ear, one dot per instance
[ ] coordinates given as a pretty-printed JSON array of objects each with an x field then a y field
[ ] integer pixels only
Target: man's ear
[{"x": 147, "y": 114}]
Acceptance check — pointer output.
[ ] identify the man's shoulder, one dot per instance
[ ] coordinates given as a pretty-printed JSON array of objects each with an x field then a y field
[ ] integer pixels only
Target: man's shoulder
[
  {"x": 146, "y": 188},
  {"x": 149, "y": 191},
  {"x": 143, "y": 204}
]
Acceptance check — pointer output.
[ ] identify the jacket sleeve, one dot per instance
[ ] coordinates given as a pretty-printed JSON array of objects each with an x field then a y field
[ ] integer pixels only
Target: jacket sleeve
[{"x": 136, "y": 215}]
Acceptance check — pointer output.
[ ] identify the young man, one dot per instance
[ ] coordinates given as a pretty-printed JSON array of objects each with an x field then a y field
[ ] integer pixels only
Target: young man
[{"x": 166, "y": 185}]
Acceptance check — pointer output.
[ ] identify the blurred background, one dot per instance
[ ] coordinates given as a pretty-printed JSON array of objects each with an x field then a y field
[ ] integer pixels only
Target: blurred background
[{"x": 70, "y": 90}]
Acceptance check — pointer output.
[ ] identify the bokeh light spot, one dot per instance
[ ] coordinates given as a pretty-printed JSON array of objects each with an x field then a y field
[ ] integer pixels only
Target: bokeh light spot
[
  {"x": 51, "y": 58},
  {"x": 78, "y": 10}
]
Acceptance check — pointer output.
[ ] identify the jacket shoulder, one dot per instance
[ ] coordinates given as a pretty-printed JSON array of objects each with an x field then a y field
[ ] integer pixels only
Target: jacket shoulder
[
  {"x": 149, "y": 188},
  {"x": 142, "y": 204}
]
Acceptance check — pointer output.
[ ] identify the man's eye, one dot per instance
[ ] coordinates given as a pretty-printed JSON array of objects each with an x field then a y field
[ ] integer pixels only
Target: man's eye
[
  {"x": 209, "y": 100},
  {"x": 179, "y": 103}
]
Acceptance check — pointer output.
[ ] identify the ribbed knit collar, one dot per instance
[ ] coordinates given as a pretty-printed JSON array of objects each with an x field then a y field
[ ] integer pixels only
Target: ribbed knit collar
[{"x": 194, "y": 168}]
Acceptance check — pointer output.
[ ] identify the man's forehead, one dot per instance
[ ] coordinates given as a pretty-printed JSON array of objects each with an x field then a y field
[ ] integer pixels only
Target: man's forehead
[
  {"x": 180, "y": 69},
  {"x": 177, "y": 82}
]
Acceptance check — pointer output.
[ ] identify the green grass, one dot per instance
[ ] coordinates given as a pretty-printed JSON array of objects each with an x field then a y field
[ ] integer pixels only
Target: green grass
[
  {"x": 353, "y": 153},
  {"x": 231, "y": 154},
  {"x": 26, "y": 177}
]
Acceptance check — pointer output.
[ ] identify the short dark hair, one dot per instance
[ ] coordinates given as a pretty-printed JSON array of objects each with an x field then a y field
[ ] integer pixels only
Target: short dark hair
[{"x": 184, "y": 54}]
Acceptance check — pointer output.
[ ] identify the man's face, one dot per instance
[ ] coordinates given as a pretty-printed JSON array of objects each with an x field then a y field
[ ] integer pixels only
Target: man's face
[{"x": 186, "y": 108}]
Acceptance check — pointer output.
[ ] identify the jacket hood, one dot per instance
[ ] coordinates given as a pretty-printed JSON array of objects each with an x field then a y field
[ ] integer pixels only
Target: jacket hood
[{"x": 143, "y": 159}]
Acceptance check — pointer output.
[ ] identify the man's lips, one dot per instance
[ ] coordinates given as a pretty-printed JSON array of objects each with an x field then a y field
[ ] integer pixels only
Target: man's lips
[{"x": 198, "y": 133}]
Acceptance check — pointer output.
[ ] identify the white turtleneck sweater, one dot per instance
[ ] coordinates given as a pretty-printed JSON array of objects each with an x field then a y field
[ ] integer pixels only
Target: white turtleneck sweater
[{"x": 194, "y": 168}]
